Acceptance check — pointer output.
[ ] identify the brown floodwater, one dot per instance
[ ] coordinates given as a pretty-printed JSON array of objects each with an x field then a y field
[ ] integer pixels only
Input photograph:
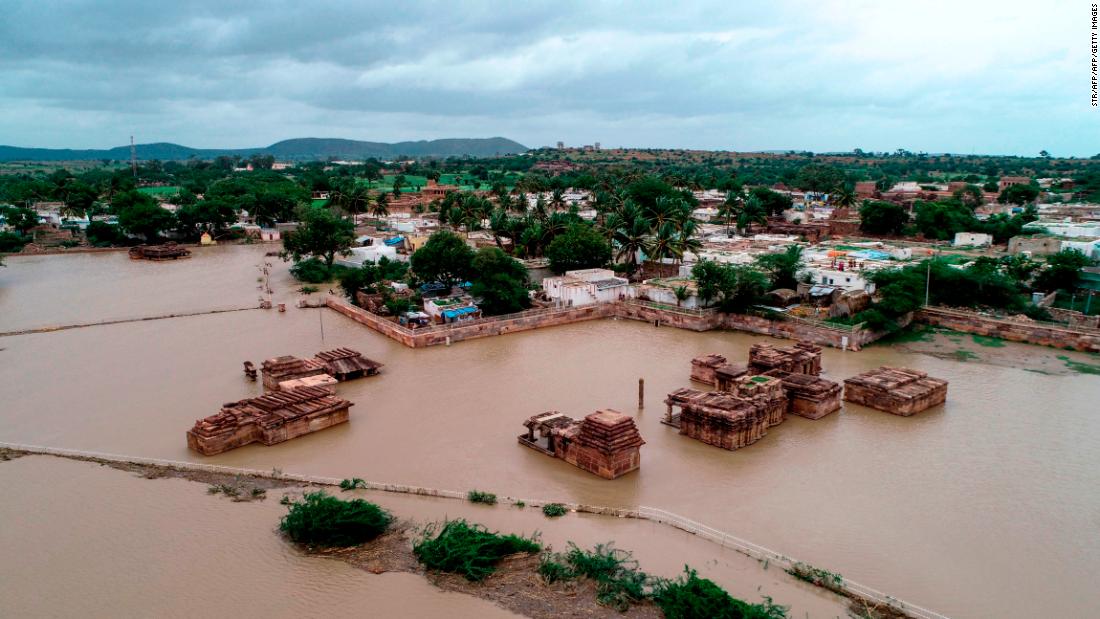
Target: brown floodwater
[
  {"x": 80, "y": 540},
  {"x": 987, "y": 506}
]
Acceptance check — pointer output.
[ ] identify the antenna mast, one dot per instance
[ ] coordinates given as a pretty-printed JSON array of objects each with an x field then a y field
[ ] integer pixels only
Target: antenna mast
[{"x": 133, "y": 157}]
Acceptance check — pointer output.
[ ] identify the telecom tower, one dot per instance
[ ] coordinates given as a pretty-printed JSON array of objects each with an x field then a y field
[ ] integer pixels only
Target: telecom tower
[{"x": 133, "y": 157}]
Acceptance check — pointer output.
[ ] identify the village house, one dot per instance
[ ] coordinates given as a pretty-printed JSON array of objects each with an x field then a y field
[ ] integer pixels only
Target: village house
[{"x": 587, "y": 287}]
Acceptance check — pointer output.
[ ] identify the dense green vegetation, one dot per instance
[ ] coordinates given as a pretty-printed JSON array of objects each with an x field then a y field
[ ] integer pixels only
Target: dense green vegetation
[
  {"x": 468, "y": 549},
  {"x": 323, "y": 520},
  {"x": 692, "y": 597}
]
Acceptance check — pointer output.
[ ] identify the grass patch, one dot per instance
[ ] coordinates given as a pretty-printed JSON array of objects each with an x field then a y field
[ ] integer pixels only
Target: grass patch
[
  {"x": 691, "y": 597},
  {"x": 477, "y": 496},
  {"x": 619, "y": 581},
  {"x": 554, "y": 510},
  {"x": 1080, "y": 366},
  {"x": 988, "y": 342},
  {"x": 323, "y": 520},
  {"x": 964, "y": 355},
  {"x": 468, "y": 549},
  {"x": 913, "y": 333}
]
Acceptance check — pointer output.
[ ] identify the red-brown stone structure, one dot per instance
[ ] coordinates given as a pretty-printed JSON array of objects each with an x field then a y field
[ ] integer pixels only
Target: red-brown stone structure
[
  {"x": 347, "y": 364},
  {"x": 802, "y": 358},
  {"x": 797, "y": 367},
  {"x": 269, "y": 419},
  {"x": 900, "y": 391},
  {"x": 728, "y": 420},
  {"x": 606, "y": 442},
  {"x": 287, "y": 367},
  {"x": 167, "y": 251}
]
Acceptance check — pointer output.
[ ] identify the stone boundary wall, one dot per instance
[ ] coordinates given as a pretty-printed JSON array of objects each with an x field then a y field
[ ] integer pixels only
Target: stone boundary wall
[
  {"x": 446, "y": 334},
  {"x": 847, "y": 588},
  {"x": 1029, "y": 333},
  {"x": 536, "y": 319}
]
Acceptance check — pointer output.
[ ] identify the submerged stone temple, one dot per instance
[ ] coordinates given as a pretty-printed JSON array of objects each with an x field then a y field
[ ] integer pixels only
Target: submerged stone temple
[
  {"x": 331, "y": 365},
  {"x": 167, "y": 251},
  {"x": 725, "y": 419},
  {"x": 347, "y": 364},
  {"x": 288, "y": 367},
  {"x": 269, "y": 419},
  {"x": 901, "y": 391},
  {"x": 606, "y": 442},
  {"x": 802, "y": 358},
  {"x": 797, "y": 367}
]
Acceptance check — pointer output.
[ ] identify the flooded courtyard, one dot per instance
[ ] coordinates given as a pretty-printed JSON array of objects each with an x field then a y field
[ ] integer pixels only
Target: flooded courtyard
[{"x": 986, "y": 506}]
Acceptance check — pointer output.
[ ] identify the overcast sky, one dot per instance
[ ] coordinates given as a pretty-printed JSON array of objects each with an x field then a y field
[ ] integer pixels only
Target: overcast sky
[{"x": 939, "y": 76}]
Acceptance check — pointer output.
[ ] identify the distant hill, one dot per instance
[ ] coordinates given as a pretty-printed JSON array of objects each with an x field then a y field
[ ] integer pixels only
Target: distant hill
[{"x": 298, "y": 149}]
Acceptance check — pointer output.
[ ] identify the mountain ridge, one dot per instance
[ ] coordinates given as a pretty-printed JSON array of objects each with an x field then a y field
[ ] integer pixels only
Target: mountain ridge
[{"x": 295, "y": 149}]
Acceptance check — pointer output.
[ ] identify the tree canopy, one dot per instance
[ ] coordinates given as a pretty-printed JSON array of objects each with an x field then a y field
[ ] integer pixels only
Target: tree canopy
[
  {"x": 444, "y": 258},
  {"x": 580, "y": 247},
  {"x": 882, "y": 217},
  {"x": 499, "y": 282},
  {"x": 321, "y": 234}
]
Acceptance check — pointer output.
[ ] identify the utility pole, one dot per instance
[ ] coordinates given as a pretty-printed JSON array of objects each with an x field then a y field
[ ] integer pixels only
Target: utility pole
[
  {"x": 928, "y": 282},
  {"x": 133, "y": 157}
]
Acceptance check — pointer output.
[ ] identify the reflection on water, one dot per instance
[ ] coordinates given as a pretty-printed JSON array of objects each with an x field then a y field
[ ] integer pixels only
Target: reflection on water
[
  {"x": 84, "y": 541},
  {"x": 984, "y": 507}
]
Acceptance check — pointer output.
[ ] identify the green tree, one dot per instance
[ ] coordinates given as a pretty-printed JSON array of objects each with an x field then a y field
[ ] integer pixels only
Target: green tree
[
  {"x": 213, "y": 216},
  {"x": 751, "y": 213},
  {"x": 499, "y": 282},
  {"x": 774, "y": 203},
  {"x": 320, "y": 234},
  {"x": 143, "y": 216},
  {"x": 444, "y": 258},
  {"x": 971, "y": 196},
  {"x": 942, "y": 220},
  {"x": 882, "y": 217},
  {"x": 1062, "y": 271},
  {"x": 1018, "y": 194},
  {"x": 19, "y": 218},
  {"x": 819, "y": 177},
  {"x": 782, "y": 268},
  {"x": 580, "y": 247}
]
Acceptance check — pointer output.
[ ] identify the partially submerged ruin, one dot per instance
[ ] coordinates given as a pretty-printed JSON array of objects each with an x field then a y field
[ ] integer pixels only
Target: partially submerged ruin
[
  {"x": 167, "y": 251},
  {"x": 606, "y": 442},
  {"x": 269, "y": 419},
  {"x": 289, "y": 367},
  {"x": 336, "y": 365},
  {"x": 347, "y": 364},
  {"x": 900, "y": 391},
  {"x": 729, "y": 420},
  {"x": 797, "y": 367}
]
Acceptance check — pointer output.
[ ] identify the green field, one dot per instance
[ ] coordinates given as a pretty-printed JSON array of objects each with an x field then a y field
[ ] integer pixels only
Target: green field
[{"x": 159, "y": 191}]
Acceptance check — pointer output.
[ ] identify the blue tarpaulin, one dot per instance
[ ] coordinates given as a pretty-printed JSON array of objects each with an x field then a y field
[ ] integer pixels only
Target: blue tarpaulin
[
  {"x": 461, "y": 311},
  {"x": 397, "y": 240}
]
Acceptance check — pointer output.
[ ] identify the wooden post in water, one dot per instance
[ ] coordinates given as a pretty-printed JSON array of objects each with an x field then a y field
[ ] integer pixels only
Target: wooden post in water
[{"x": 641, "y": 393}]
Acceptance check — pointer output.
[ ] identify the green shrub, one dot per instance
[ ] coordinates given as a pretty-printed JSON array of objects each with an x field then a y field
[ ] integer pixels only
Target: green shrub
[
  {"x": 832, "y": 580},
  {"x": 308, "y": 289},
  {"x": 352, "y": 484},
  {"x": 467, "y": 549},
  {"x": 11, "y": 242},
  {"x": 324, "y": 520},
  {"x": 691, "y": 597},
  {"x": 477, "y": 496},
  {"x": 619, "y": 581},
  {"x": 314, "y": 271},
  {"x": 554, "y": 510}
]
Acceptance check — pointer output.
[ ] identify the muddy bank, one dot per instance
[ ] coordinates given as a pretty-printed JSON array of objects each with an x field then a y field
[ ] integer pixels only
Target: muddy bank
[{"x": 955, "y": 346}]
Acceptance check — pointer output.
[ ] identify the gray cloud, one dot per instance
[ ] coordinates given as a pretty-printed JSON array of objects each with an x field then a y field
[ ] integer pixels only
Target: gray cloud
[{"x": 934, "y": 75}]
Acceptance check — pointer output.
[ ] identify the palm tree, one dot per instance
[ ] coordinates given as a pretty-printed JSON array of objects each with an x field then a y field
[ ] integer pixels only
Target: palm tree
[
  {"x": 557, "y": 199},
  {"x": 380, "y": 208},
  {"x": 682, "y": 293},
  {"x": 844, "y": 197},
  {"x": 731, "y": 209},
  {"x": 686, "y": 241},
  {"x": 752, "y": 213},
  {"x": 631, "y": 238},
  {"x": 663, "y": 244}
]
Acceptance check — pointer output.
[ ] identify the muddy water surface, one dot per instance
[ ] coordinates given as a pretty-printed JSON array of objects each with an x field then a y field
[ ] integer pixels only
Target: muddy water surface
[{"x": 986, "y": 506}]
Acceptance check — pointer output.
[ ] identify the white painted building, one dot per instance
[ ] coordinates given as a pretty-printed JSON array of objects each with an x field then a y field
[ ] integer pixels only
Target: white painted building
[
  {"x": 848, "y": 279},
  {"x": 372, "y": 253},
  {"x": 587, "y": 287},
  {"x": 972, "y": 239}
]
